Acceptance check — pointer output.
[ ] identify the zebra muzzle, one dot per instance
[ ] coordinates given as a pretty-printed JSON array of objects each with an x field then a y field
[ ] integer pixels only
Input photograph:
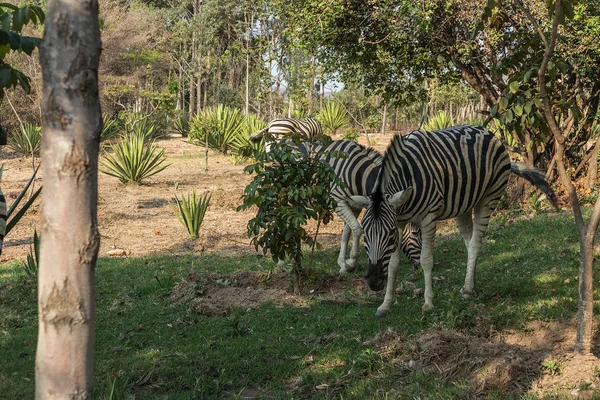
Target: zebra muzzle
[{"x": 375, "y": 276}]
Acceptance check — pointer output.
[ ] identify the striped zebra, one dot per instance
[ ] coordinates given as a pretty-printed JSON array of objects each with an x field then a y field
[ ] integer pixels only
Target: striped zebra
[
  {"x": 358, "y": 167},
  {"x": 459, "y": 173},
  {"x": 308, "y": 128},
  {"x": 3, "y": 213}
]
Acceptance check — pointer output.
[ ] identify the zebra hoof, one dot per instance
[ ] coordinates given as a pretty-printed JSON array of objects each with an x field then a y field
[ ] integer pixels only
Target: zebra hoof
[
  {"x": 381, "y": 313},
  {"x": 467, "y": 294},
  {"x": 427, "y": 307},
  {"x": 350, "y": 265}
]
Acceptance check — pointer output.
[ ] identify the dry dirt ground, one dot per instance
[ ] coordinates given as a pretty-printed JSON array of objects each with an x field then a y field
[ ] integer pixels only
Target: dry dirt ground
[{"x": 138, "y": 220}]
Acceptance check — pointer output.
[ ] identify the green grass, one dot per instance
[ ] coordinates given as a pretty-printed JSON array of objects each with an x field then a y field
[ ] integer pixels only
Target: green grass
[{"x": 148, "y": 347}]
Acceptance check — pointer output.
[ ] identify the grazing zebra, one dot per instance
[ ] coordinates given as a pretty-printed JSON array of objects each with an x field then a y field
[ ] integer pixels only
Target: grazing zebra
[
  {"x": 458, "y": 173},
  {"x": 2, "y": 214},
  {"x": 357, "y": 167},
  {"x": 308, "y": 128}
]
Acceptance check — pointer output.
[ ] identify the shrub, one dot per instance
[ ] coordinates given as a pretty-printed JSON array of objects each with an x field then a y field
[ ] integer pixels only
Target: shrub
[
  {"x": 243, "y": 147},
  {"x": 133, "y": 160},
  {"x": 333, "y": 117},
  {"x": 440, "y": 120},
  {"x": 27, "y": 141},
  {"x": 31, "y": 266},
  {"x": 220, "y": 126},
  {"x": 110, "y": 129},
  {"x": 351, "y": 134},
  {"x": 190, "y": 211},
  {"x": 181, "y": 125},
  {"x": 12, "y": 217},
  {"x": 144, "y": 128},
  {"x": 372, "y": 141},
  {"x": 290, "y": 188}
]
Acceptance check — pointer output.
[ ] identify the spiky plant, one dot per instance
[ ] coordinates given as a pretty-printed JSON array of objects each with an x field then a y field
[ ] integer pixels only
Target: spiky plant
[
  {"x": 31, "y": 266},
  {"x": 181, "y": 125},
  {"x": 242, "y": 146},
  {"x": 133, "y": 160},
  {"x": 221, "y": 125},
  {"x": 440, "y": 120},
  {"x": 333, "y": 117},
  {"x": 26, "y": 141},
  {"x": 12, "y": 215},
  {"x": 190, "y": 211},
  {"x": 110, "y": 129},
  {"x": 143, "y": 127}
]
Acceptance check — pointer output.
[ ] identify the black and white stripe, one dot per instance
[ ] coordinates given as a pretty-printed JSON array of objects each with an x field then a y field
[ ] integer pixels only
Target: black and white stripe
[
  {"x": 357, "y": 168},
  {"x": 307, "y": 129},
  {"x": 3, "y": 213},
  {"x": 459, "y": 173}
]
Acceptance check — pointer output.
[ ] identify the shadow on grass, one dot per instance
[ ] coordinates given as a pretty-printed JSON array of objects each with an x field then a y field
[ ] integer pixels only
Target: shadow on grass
[{"x": 150, "y": 346}]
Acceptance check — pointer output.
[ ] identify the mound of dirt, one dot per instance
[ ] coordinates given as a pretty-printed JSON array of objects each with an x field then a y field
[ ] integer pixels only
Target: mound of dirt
[{"x": 220, "y": 294}]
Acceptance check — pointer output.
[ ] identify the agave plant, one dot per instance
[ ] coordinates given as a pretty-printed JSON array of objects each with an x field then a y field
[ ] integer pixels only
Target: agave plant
[
  {"x": 142, "y": 127},
  {"x": 333, "y": 117},
  {"x": 220, "y": 126},
  {"x": 181, "y": 125},
  {"x": 190, "y": 211},
  {"x": 31, "y": 266},
  {"x": 133, "y": 160},
  {"x": 110, "y": 129},
  {"x": 27, "y": 140},
  {"x": 242, "y": 146},
  {"x": 440, "y": 120}
]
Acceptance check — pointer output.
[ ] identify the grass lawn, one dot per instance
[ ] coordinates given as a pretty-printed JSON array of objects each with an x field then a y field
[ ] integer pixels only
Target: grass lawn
[{"x": 151, "y": 347}]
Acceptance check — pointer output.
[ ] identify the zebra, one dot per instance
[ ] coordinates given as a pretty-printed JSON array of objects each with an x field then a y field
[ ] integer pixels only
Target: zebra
[
  {"x": 3, "y": 214},
  {"x": 308, "y": 128},
  {"x": 459, "y": 172},
  {"x": 357, "y": 167}
]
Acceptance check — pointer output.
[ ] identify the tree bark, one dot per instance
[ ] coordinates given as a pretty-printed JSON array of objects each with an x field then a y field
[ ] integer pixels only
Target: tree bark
[
  {"x": 191, "y": 84},
  {"x": 384, "y": 119},
  {"x": 72, "y": 122}
]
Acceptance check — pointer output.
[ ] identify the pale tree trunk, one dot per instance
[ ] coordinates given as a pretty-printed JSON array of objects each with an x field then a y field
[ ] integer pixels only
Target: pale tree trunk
[
  {"x": 191, "y": 84},
  {"x": 593, "y": 165},
  {"x": 384, "y": 119},
  {"x": 586, "y": 231},
  {"x": 72, "y": 121}
]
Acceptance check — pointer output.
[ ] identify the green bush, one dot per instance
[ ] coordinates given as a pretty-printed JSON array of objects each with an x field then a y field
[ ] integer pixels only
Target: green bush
[
  {"x": 31, "y": 266},
  {"x": 333, "y": 117},
  {"x": 132, "y": 160},
  {"x": 110, "y": 129},
  {"x": 220, "y": 126},
  {"x": 190, "y": 211},
  {"x": 351, "y": 134},
  {"x": 440, "y": 120},
  {"x": 143, "y": 127},
  {"x": 12, "y": 215},
  {"x": 181, "y": 125},
  {"x": 243, "y": 147},
  {"x": 27, "y": 141}
]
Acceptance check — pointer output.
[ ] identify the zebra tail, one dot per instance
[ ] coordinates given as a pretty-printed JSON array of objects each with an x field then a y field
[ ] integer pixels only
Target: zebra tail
[
  {"x": 538, "y": 179},
  {"x": 257, "y": 136}
]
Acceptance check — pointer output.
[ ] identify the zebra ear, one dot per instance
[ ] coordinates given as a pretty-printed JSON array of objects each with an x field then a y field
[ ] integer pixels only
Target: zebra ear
[
  {"x": 398, "y": 199},
  {"x": 361, "y": 200}
]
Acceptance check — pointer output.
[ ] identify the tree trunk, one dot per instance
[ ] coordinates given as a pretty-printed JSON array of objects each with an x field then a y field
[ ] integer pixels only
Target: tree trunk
[
  {"x": 593, "y": 165},
  {"x": 72, "y": 122},
  {"x": 585, "y": 308},
  {"x": 192, "y": 92},
  {"x": 384, "y": 120}
]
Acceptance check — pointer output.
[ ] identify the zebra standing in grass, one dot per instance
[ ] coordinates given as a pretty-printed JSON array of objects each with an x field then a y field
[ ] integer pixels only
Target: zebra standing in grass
[
  {"x": 357, "y": 167},
  {"x": 458, "y": 173},
  {"x": 3, "y": 216},
  {"x": 308, "y": 128}
]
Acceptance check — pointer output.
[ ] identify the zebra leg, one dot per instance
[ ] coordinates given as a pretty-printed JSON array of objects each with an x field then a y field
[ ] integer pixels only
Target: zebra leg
[
  {"x": 480, "y": 223},
  {"x": 390, "y": 290},
  {"x": 351, "y": 225},
  {"x": 464, "y": 223},
  {"x": 343, "y": 248},
  {"x": 428, "y": 238}
]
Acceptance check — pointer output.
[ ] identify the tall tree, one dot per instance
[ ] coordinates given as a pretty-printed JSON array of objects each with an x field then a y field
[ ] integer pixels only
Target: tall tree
[{"x": 72, "y": 122}]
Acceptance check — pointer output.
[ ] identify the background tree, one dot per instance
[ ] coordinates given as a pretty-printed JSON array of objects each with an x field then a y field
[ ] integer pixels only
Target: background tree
[{"x": 72, "y": 122}]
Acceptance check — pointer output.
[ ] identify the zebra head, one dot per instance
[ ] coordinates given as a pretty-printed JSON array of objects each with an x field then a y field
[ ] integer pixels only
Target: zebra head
[{"x": 381, "y": 234}]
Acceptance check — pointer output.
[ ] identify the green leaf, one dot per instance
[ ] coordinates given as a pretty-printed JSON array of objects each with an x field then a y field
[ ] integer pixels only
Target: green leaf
[
  {"x": 503, "y": 103},
  {"x": 568, "y": 9},
  {"x": 508, "y": 116},
  {"x": 518, "y": 109},
  {"x": 5, "y": 77},
  {"x": 527, "y": 75},
  {"x": 15, "y": 40},
  {"x": 527, "y": 107},
  {"x": 494, "y": 111},
  {"x": 514, "y": 87}
]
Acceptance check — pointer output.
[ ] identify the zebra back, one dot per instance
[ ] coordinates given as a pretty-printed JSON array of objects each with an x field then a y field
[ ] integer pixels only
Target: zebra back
[
  {"x": 308, "y": 129},
  {"x": 450, "y": 171}
]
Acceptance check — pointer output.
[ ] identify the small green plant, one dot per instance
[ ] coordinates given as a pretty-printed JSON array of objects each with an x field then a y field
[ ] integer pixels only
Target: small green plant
[
  {"x": 220, "y": 127},
  {"x": 552, "y": 367},
  {"x": 142, "y": 127},
  {"x": 333, "y": 117},
  {"x": 27, "y": 141},
  {"x": 132, "y": 160},
  {"x": 372, "y": 141},
  {"x": 243, "y": 146},
  {"x": 110, "y": 129},
  {"x": 351, "y": 134},
  {"x": 181, "y": 125},
  {"x": 31, "y": 266},
  {"x": 190, "y": 211},
  {"x": 13, "y": 216},
  {"x": 368, "y": 361},
  {"x": 440, "y": 120},
  {"x": 237, "y": 159},
  {"x": 290, "y": 187}
]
